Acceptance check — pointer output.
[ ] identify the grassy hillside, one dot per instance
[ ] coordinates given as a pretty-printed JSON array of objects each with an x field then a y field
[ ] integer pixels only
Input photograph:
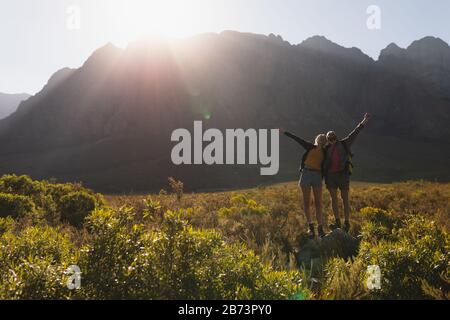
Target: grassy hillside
[
  {"x": 225, "y": 245},
  {"x": 413, "y": 197}
]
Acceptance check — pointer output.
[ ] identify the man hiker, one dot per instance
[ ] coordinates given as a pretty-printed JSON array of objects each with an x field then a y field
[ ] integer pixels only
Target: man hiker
[{"x": 337, "y": 170}]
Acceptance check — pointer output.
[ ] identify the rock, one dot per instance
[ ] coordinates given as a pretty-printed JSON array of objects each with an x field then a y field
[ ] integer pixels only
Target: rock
[{"x": 336, "y": 244}]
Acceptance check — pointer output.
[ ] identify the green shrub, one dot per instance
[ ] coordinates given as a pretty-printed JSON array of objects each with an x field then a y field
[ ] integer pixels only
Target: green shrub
[
  {"x": 421, "y": 253},
  {"x": 413, "y": 256},
  {"x": 378, "y": 224},
  {"x": 152, "y": 209},
  {"x": 6, "y": 224},
  {"x": 36, "y": 191},
  {"x": 22, "y": 185},
  {"x": 242, "y": 206},
  {"x": 70, "y": 202},
  {"x": 345, "y": 280},
  {"x": 177, "y": 187},
  {"x": 33, "y": 263},
  {"x": 15, "y": 205},
  {"x": 75, "y": 206},
  {"x": 123, "y": 261},
  {"x": 379, "y": 216},
  {"x": 108, "y": 259}
]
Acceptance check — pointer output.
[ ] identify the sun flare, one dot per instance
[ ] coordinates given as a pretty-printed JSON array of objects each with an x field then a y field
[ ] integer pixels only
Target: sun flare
[{"x": 167, "y": 18}]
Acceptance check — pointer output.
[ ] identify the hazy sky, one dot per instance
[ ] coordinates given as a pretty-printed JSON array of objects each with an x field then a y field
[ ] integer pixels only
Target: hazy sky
[{"x": 40, "y": 37}]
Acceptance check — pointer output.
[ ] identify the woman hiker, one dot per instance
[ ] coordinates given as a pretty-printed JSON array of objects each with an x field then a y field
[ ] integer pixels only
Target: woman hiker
[{"x": 311, "y": 178}]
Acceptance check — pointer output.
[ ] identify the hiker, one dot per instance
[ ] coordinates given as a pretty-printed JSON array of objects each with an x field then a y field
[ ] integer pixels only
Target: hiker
[
  {"x": 311, "y": 178},
  {"x": 338, "y": 168}
]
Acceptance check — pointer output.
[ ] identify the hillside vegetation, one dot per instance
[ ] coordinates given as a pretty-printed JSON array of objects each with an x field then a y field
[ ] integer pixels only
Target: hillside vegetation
[{"x": 225, "y": 245}]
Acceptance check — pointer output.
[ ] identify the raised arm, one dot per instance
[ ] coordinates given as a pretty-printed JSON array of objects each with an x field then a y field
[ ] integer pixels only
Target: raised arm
[
  {"x": 305, "y": 144},
  {"x": 352, "y": 136}
]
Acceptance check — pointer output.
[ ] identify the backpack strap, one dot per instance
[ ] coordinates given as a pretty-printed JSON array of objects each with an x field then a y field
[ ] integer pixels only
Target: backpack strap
[
  {"x": 348, "y": 162},
  {"x": 347, "y": 149}
]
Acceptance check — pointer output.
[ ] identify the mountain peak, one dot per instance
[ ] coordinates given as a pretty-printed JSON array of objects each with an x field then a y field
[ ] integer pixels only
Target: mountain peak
[
  {"x": 324, "y": 45},
  {"x": 430, "y": 51},
  {"x": 319, "y": 42},
  {"x": 392, "y": 50},
  {"x": 104, "y": 54},
  {"x": 429, "y": 41},
  {"x": 107, "y": 49},
  {"x": 277, "y": 39},
  {"x": 248, "y": 35}
]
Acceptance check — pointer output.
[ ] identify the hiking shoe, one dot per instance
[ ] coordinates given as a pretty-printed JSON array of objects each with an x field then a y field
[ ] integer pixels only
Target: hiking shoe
[
  {"x": 347, "y": 226},
  {"x": 336, "y": 225},
  {"x": 320, "y": 231},
  {"x": 311, "y": 232}
]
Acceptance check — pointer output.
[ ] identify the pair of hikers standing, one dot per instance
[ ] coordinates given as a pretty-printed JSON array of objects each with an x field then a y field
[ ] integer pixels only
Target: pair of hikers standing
[{"x": 330, "y": 158}]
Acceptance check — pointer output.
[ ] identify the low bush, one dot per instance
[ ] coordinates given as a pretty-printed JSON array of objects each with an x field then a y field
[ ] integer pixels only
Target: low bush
[
  {"x": 20, "y": 196},
  {"x": 33, "y": 262},
  {"x": 15, "y": 205},
  {"x": 75, "y": 206},
  {"x": 414, "y": 253},
  {"x": 123, "y": 260}
]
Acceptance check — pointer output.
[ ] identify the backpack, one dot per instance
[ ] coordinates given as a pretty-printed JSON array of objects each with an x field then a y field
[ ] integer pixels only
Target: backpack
[{"x": 349, "y": 160}]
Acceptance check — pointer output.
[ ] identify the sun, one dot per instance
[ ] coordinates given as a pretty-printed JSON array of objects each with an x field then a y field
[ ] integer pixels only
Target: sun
[{"x": 168, "y": 18}]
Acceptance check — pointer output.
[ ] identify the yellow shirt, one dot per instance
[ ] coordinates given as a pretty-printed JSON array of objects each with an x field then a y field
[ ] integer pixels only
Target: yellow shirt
[{"x": 314, "y": 159}]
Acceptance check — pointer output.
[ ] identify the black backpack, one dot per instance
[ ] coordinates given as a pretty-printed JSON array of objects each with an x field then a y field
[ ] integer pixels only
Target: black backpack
[{"x": 349, "y": 161}]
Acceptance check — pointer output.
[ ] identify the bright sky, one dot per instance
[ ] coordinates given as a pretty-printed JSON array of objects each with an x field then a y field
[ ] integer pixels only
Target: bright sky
[{"x": 38, "y": 37}]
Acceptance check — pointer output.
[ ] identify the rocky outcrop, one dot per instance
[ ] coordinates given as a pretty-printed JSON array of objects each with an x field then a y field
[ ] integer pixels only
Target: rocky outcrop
[{"x": 335, "y": 244}]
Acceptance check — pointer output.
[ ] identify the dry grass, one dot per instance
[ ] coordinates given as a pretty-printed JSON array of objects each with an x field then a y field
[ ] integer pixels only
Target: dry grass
[
  {"x": 280, "y": 228},
  {"x": 421, "y": 197}
]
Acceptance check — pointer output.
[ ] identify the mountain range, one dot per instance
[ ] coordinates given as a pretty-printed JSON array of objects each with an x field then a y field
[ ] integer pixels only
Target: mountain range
[{"x": 108, "y": 123}]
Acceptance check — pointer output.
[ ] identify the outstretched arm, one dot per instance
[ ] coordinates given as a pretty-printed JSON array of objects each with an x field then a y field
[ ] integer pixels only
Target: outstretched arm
[
  {"x": 305, "y": 144},
  {"x": 352, "y": 136}
]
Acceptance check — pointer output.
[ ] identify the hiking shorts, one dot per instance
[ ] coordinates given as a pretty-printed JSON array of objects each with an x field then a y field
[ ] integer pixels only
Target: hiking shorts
[
  {"x": 338, "y": 180},
  {"x": 310, "y": 178}
]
